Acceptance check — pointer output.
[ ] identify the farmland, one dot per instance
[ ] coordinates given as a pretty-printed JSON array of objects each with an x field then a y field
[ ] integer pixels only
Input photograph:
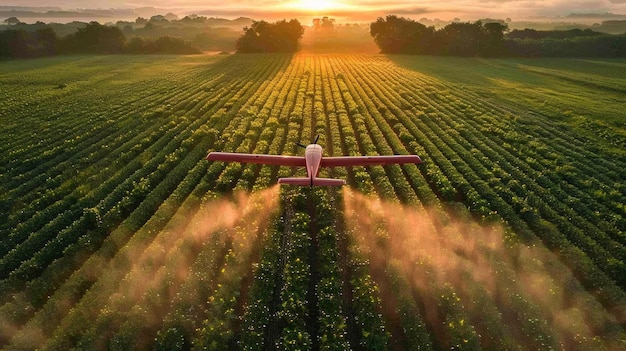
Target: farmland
[{"x": 116, "y": 234}]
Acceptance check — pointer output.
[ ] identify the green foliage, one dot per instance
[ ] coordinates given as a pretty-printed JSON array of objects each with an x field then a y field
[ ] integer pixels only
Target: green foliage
[
  {"x": 281, "y": 36},
  {"x": 161, "y": 45},
  {"x": 92, "y": 38},
  {"x": 111, "y": 172},
  {"x": 395, "y": 35},
  {"x": 564, "y": 43},
  {"x": 603, "y": 45},
  {"x": 399, "y": 35},
  {"x": 18, "y": 43},
  {"x": 171, "y": 339}
]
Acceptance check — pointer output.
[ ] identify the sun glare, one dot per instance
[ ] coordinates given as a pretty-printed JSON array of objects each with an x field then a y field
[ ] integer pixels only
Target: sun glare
[{"x": 315, "y": 5}]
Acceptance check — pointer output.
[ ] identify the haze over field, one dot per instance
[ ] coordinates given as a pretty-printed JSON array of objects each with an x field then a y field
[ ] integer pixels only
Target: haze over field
[{"x": 351, "y": 10}]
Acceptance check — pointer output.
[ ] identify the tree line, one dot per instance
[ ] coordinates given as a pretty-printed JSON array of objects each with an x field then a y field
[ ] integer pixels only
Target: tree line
[
  {"x": 94, "y": 38},
  {"x": 399, "y": 35},
  {"x": 39, "y": 40},
  {"x": 207, "y": 34},
  {"x": 392, "y": 35},
  {"x": 564, "y": 43}
]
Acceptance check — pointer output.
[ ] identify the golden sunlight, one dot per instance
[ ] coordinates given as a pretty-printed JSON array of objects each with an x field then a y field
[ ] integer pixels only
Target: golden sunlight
[{"x": 315, "y": 5}]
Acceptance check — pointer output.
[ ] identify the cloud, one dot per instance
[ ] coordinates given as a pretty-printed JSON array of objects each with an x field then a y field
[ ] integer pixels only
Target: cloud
[
  {"x": 412, "y": 11},
  {"x": 364, "y": 10}
]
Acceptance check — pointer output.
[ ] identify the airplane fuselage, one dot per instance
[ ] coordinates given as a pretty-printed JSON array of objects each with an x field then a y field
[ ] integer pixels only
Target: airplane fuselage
[{"x": 313, "y": 158}]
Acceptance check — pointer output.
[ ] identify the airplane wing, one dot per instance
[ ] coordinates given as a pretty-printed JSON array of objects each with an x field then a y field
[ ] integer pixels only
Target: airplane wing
[
  {"x": 257, "y": 158},
  {"x": 368, "y": 160}
]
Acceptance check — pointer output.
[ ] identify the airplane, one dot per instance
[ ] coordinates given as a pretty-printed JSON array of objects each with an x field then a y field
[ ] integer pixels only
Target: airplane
[{"x": 312, "y": 160}]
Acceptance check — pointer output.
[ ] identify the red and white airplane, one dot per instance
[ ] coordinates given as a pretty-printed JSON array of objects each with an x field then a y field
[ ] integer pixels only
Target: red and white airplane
[{"x": 313, "y": 160}]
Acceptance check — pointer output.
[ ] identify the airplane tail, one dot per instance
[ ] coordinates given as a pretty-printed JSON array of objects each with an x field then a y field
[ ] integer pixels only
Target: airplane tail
[{"x": 316, "y": 181}]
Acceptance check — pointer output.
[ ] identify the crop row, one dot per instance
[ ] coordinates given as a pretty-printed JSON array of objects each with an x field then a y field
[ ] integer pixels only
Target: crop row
[
  {"x": 296, "y": 299},
  {"x": 479, "y": 203},
  {"x": 113, "y": 157},
  {"x": 478, "y": 186},
  {"x": 148, "y": 228},
  {"x": 465, "y": 284},
  {"x": 102, "y": 208},
  {"x": 117, "y": 238}
]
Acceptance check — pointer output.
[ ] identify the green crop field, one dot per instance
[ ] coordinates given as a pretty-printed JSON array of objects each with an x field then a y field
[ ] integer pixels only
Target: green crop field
[{"x": 115, "y": 233}]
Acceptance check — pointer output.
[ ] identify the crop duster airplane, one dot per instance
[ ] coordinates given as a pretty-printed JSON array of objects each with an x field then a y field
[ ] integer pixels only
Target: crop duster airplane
[{"x": 313, "y": 160}]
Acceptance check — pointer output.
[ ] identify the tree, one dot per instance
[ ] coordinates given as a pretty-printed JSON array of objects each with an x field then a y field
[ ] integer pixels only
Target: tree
[
  {"x": 161, "y": 45},
  {"x": 324, "y": 24},
  {"x": 262, "y": 36},
  {"x": 137, "y": 45},
  {"x": 13, "y": 43},
  {"x": 127, "y": 30},
  {"x": 459, "y": 39},
  {"x": 159, "y": 19},
  {"x": 171, "y": 17},
  {"x": 95, "y": 38},
  {"x": 172, "y": 45},
  {"x": 46, "y": 41},
  {"x": 12, "y": 21},
  {"x": 21, "y": 43},
  {"x": 493, "y": 41},
  {"x": 471, "y": 39},
  {"x": 400, "y": 35}
]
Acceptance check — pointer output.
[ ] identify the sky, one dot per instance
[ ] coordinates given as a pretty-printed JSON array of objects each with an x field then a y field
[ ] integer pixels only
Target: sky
[{"x": 354, "y": 10}]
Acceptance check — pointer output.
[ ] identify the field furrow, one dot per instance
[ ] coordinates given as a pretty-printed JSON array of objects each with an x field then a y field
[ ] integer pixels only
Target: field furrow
[{"x": 115, "y": 233}]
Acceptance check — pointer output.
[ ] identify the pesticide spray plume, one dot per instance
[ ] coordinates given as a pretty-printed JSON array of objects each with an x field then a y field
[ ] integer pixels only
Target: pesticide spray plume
[
  {"x": 239, "y": 215},
  {"x": 169, "y": 261},
  {"x": 435, "y": 251},
  {"x": 151, "y": 261}
]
